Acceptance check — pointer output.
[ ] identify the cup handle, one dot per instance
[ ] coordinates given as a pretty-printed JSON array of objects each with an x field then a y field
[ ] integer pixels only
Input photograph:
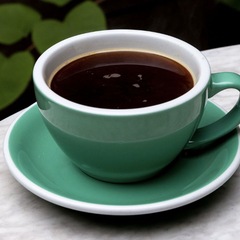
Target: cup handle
[{"x": 211, "y": 132}]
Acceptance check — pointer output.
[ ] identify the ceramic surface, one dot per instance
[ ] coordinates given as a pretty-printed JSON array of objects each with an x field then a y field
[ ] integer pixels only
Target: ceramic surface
[
  {"x": 39, "y": 165},
  {"x": 128, "y": 145}
]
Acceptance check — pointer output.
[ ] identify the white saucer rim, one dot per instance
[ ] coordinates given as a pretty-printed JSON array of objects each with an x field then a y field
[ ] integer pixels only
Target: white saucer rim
[{"x": 104, "y": 209}]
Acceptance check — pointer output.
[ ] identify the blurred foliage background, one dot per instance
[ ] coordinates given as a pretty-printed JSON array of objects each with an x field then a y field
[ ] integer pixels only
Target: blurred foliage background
[{"x": 28, "y": 28}]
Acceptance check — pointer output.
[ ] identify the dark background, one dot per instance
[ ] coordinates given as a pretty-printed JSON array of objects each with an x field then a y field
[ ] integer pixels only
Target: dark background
[{"x": 205, "y": 24}]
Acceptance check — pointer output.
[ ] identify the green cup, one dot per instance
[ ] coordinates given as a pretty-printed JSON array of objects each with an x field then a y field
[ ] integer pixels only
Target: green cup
[{"x": 129, "y": 145}]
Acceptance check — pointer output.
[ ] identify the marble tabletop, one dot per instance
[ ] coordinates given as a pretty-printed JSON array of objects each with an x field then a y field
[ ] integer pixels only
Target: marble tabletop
[{"x": 217, "y": 216}]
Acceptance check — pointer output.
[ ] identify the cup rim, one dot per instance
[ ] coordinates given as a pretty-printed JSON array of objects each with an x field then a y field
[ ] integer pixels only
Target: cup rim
[{"x": 41, "y": 85}]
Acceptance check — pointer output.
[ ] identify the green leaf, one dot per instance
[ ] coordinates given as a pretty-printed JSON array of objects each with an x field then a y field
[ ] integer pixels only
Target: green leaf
[
  {"x": 59, "y": 3},
  {"x": 232, "y": 3},
  {"x": 15, "y": 74},
  {"x": 48, "y": 32},
  {"x": 85, "y": 17},
  {"x": 2, "y": 58},
  {"x": 16, "y": 22}
]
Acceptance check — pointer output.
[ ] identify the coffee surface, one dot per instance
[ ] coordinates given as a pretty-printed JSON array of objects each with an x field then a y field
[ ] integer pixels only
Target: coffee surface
[{"x": 121, "y": 80}]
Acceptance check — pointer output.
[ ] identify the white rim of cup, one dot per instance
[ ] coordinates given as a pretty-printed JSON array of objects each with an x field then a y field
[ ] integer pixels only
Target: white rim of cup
[{"x": 40, "y": 83}]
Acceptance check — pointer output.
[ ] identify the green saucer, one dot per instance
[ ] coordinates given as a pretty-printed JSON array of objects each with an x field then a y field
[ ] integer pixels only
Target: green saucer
[{"x": 40, "y": 166}]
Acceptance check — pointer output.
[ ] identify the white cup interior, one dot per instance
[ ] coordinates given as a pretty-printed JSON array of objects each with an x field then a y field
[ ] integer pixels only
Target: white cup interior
[{"x": 107, "y": 40}]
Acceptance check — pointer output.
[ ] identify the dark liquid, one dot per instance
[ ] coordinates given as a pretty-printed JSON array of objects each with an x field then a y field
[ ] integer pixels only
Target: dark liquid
[{"x": 121, "y": 80}]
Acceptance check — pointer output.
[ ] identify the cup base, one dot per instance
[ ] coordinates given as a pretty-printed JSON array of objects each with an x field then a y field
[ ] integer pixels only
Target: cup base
[{"x": 122, "y": 179}]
